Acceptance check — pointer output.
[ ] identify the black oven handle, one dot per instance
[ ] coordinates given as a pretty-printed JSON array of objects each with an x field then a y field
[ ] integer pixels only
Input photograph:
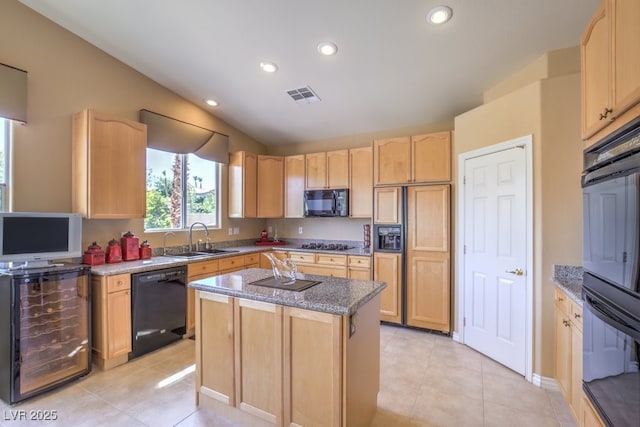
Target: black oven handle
[{"x": 616, "y": 320}]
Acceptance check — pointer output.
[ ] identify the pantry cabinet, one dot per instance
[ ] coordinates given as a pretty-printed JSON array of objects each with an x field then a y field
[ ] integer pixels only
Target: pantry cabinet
[
  {"x": 428, "y": 257},
  {"x": 610, "y": 68},
  {"x": 568, "y": 357},
  {"x": 361, "y": 182},
  {"x": 243, "y": 168},
  {"x": 108, "y": 166},
  {"x": 270, "y": 187},
  {"x": 294, "y": 186},
  {"x": 111, "y": 324},
  {"x": 327, "y": 170},
  {"x": 412, "y": 159}
]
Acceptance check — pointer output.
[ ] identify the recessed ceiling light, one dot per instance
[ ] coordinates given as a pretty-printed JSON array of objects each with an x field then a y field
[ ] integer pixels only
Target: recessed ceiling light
[
  {"x": 268, "y": 67},
  {"x": 212, "y": 102},
  {"x": 439, "y": 15},
  {"x": 327, "y": 48}
]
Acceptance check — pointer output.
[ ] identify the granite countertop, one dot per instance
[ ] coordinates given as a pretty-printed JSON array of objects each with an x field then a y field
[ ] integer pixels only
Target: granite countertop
[
  {"x": 569, "y": 279},
  {"x": 333, "y": 295},
  {"x": 168, "y": 261}
]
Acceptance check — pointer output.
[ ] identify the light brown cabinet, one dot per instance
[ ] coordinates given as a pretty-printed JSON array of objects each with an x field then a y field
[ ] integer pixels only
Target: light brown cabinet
[
  {"x": 568, "y": 357},
  {"x": 610, "y": 68},
  {"x": 111, "y": 323},
  {"x": 294, "y": 186},
  {"x": 327, "y": 170},
  {"x": 428, "y": 268},
  {"x": 270, "y": 187},
  {"x": 196, "y": 271},
  {"x": 360, "y": 182},
  {"x": 412, "y": 159},
  {"x": 319, "y": 263},
  {"x": 108, "y": 166},
  {"x": 387, "y": 209},
  {"x": 589, "y": 417},
  {"x": 243, "y": 168},
  {"x": 285, "y": 365},
  {"x": 387, "y": 267},
  {"x": 359, "y": 267}
]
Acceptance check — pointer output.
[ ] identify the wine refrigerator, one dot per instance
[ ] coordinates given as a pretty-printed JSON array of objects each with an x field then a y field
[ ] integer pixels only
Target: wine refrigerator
[{"x": 45, "y": 323}]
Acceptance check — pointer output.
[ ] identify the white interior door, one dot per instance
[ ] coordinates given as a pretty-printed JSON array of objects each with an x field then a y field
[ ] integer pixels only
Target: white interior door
[{"x": 495, "y": 255}]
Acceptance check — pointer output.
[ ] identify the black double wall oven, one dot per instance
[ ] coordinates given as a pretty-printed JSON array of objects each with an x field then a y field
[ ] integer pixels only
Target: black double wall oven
[{"x": 611, "y": 292}]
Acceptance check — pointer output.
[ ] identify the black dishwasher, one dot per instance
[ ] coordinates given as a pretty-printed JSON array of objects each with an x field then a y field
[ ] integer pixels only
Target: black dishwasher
[{"x": 158, "y": 309}]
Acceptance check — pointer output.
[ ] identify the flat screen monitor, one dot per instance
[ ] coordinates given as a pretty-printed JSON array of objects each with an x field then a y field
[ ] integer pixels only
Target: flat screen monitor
[{"x": 33, "y": 239}]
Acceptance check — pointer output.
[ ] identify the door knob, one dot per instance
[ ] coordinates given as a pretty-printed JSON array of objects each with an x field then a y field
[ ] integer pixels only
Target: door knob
[{"x": 517, "y": 272}]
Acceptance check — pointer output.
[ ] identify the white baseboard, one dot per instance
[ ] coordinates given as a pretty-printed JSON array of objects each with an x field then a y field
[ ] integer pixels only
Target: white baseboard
[
  {"x": 456, "y": 337},
  {"x": 545, "y": 382}
]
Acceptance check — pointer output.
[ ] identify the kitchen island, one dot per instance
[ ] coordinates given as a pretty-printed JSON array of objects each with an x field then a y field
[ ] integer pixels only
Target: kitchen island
[{"x": 269, "y": 356}]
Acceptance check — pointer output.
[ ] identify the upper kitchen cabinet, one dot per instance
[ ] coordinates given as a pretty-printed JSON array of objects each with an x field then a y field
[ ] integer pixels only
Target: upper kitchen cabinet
[
  {"x": 361, "y": 179},
  {"x": 414, "y": 159},
  {"x": 327, "y": 170},
  {"x": 108, "y": 166},
  {"x": 294, "y": 186},
  {"x": 270, "y": 186},
  {"x": 243, "y": 168},
  {"x": 610, "y": 68}
]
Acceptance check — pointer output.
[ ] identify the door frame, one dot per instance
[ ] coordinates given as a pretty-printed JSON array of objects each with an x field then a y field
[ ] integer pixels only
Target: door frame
[{"x": 526, "y": 143}]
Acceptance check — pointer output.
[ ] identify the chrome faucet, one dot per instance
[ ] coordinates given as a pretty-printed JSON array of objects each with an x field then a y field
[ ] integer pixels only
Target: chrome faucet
[
  {"x": 206, "y": 232},
  {"x": 164, "y": 242}
]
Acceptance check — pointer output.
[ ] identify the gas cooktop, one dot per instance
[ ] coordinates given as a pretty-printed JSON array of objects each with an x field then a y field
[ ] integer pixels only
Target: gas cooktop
[{"x": 326, "y": 246}]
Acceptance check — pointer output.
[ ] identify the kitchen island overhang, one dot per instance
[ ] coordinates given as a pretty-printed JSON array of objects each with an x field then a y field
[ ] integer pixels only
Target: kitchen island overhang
[{"x": 267, "y": 356}]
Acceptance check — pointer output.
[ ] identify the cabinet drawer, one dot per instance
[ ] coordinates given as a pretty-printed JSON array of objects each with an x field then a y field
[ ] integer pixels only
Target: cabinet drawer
[
  {"x": 119, "y": 282},
  {"x": 331, "y": 259},
  {"x": 576, "y": 314},
  {"x": 231, "y": 263},
  {"x": 562, "y": 301},
  {"x": 251, "y": 259},
  {"x": 202, "y": 267},
  {"x": 303, "y": 257},
  {"x": 359, "y": 261}
]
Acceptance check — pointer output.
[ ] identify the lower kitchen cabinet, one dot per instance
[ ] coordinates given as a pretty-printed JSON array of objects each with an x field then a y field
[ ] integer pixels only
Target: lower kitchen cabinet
[
  {"x": 387, "y": 267},
  {"x": 111, "y": 319},
  {"x": 589, "y": 417},
  {"x": 264, "y": 364},
  {"x": 568, "y": 358},
  {"x": 359, "y": 267},
  {"x": 196, "y": 271},
  {"x": 320, "y": 263}
]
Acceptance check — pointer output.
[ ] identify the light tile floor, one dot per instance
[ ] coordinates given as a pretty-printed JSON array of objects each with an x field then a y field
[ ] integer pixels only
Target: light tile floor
[{"x": 426, "y": 380}]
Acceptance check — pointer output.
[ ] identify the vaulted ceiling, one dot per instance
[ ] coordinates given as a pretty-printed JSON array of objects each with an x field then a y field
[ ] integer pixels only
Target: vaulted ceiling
[{"x": 392, "y": 68}]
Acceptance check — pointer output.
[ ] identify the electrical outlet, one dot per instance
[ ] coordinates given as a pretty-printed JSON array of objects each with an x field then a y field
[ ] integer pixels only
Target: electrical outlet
[
  {"x": 236, "y": 230},
  {"x": 270, "y": 229},
  {"x": 230, "y": 231},
  {"x": 299, "y": 230}
]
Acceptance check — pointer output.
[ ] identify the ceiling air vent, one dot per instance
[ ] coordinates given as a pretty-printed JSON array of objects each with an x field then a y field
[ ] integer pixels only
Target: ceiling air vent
[{"x": 303, "y": 95}]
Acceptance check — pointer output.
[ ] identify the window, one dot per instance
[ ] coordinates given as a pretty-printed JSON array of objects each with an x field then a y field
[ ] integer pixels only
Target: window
[
  {"x": 181, "y": 189},
  {"x": 5, "y": 127}
]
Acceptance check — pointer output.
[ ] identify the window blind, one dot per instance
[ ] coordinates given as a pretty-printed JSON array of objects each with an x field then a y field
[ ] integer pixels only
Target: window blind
[
  {"x": 13, "y": 93},
  {"x": 175, "y": 136}
]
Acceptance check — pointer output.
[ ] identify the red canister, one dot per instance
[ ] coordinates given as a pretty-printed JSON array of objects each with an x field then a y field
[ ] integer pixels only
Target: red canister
[
  {"x": 145, "y": 250},
  {"x": 129, "y": 243},
  {"x": 114, "y": 252},
  {"x": 94, "y": 255}
]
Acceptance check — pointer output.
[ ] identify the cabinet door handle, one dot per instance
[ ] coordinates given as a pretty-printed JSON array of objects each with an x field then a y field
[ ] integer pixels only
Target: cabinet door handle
[
  {"x": 566, "y": 322},
  {"x": 605, "y": 113},
  {"x": 576, "y": 315}
]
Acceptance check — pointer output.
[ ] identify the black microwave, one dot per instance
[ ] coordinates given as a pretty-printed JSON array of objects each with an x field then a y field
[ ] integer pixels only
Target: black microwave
[{"x": 326, "y": 202}]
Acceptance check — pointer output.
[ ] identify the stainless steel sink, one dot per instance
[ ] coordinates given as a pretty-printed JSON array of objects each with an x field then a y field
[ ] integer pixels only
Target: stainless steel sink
[
  {"x": 190, "y": 254},
  {"x": 217, "y": 251},
  {"x": 195, "y": 254}
]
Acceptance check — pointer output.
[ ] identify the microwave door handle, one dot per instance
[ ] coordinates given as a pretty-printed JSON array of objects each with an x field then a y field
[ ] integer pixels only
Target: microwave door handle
[{"x": 334, "y": 208}]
